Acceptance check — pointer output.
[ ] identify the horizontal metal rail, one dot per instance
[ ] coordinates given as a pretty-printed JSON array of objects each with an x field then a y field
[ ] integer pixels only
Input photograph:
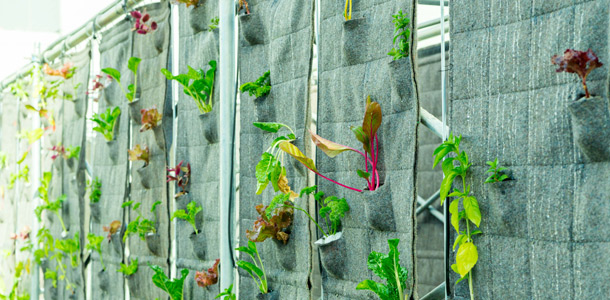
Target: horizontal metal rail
[
  {"x": 430, "y": 32},
  {"x": 431, "y": 23}
]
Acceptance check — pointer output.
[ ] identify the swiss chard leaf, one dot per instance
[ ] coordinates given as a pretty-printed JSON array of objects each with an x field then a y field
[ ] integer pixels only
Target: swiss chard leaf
[
  {"x": 174, "y": 288},
  {"x": 386, "y": 267}
]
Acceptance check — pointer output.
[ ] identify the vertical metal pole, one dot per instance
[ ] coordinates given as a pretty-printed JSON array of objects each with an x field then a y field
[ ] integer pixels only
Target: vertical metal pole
[
  {"x": 36, "y": 172},
  {"x": 228, "y": 79},
  {"x": 445, "y": 133}
]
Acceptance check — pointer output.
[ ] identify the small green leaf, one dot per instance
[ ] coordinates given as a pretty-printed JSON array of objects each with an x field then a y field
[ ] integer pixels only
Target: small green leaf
[
  {"x": 471, "y": 206},
  {"x": 363, "y": 174},
  {"x": 453, "y": 210},
  {"x": 269, "y": 126},
  {"x": 133, "y": 63},
  {"x": 114, "y": 73}
]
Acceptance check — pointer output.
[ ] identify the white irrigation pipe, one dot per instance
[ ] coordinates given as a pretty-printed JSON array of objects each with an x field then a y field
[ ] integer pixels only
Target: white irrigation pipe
[{"x": 228, "y": 78}]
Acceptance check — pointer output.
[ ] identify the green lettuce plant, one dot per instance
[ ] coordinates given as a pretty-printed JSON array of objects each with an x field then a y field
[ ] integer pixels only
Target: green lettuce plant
[
  {"x": 15, "y": 293},
  {"x": 129, "y": 269},
  {"x": 387, "y": 267},
  {"x": 254, "y": 269},
  {"x": 106, "y": 122},
  {"x": 198, "y": 84},
  {"x": 228, "y": 293},
  {"x": 192, "y": 210},
  {"x": 22, "y": 174},
  {"x": 94, "y": 243},
  {"x": 213, "y": 23},
  {"x": 132, "y": 89},
  {"x": 402, "y": 34},
  {"x": 141, "y": 225},
  {"x": 96, "y": 190},
  {"x": 54, "y": 207},
  {"x": 467, "y": 254},
  {"x": 260, "y": 87},
  {"x": 173, "y": 288}
]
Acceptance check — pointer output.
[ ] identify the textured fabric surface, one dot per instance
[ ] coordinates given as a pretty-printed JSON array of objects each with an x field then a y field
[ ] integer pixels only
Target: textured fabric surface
[
  {"x": 276, "y": 37},
  {"x": 351, "y": 68},
  {"x": 198, "y": 253},
  {"x": 111, "y": 164},
  {"x": 543, "y": 231}
]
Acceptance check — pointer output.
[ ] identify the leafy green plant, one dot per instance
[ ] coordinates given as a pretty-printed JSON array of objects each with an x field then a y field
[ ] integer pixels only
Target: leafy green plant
[
  {"x": 139, "y": 153},
  {"x": 467, "y": 254},
  {"x": 54, "y": 207},
  {"x": 260, "y": 87},
  {"x": 3, "y": 160},
  {"x": 23, "y": 174},
  {"x": 387, "y": 267},
  {"x": 214, "y": 23},
  {"x": 132, "y": 65},
  {"x": 228, "y": 293},
  {"x": 31, "y": 135},
  {"x": 402, "y": 34},
  {"x": 346, "y": 15},
  {"x": 95, "y": 244},
  {"x": 174, "y": 288},
  {"x": 15, "y": 294},
  {"x": 141, "y": 225},
  {"x": 96, "y": 190},
  {"x": 198, "y": 84},
  {"x": 255, "y": 268},
  {"x": 269, "y": 168},
  {"x": 106, "y": 122},
  {"x": 579, "y": 62},
  {"x": 192, "y": 210},
  {"x": 332, "y": 210},
  {"x": 497, "y": 172},
  {"x": 71, "y": 247},
  {"x": 130, "y": 269}
]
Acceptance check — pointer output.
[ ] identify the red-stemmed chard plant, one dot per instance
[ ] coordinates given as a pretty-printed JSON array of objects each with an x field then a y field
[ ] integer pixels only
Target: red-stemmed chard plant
[
  {"x": 366, "y": 134},
  {"x": 579, "y": 62},
  {"x": 151, "y": 118},
  {"x": 141, "y": 19},
  {"x": 181, "y": 176}
]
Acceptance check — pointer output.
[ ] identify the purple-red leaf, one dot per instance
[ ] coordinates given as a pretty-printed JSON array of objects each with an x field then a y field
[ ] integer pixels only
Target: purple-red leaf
[
  {"x": 579, "y": 62},
  {"x": 372, "y": 118}
]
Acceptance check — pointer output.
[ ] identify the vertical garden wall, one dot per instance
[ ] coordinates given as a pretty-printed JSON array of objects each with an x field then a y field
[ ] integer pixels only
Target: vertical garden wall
[
  {"x": 543, "y": 229},
  {"x": 546, "y": 224}
]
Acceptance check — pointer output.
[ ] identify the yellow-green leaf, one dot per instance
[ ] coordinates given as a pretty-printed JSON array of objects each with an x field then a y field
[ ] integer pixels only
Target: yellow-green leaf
[
  {"x": 471, "y": 206},
  {"x": 294, "y": 151},
  {"x": 466, "y": 258}
]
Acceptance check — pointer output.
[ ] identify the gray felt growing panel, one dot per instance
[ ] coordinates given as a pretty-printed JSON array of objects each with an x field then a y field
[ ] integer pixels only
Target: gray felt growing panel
[
  {"x": 543, "y": 231},
  {"x": 351, "y": 68},
  {"x": 148, "y": 183},
  {"x": 197, "y": 144},
  {"x": 276, "y": 36},
  {"x": 111, "y": 165}
]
